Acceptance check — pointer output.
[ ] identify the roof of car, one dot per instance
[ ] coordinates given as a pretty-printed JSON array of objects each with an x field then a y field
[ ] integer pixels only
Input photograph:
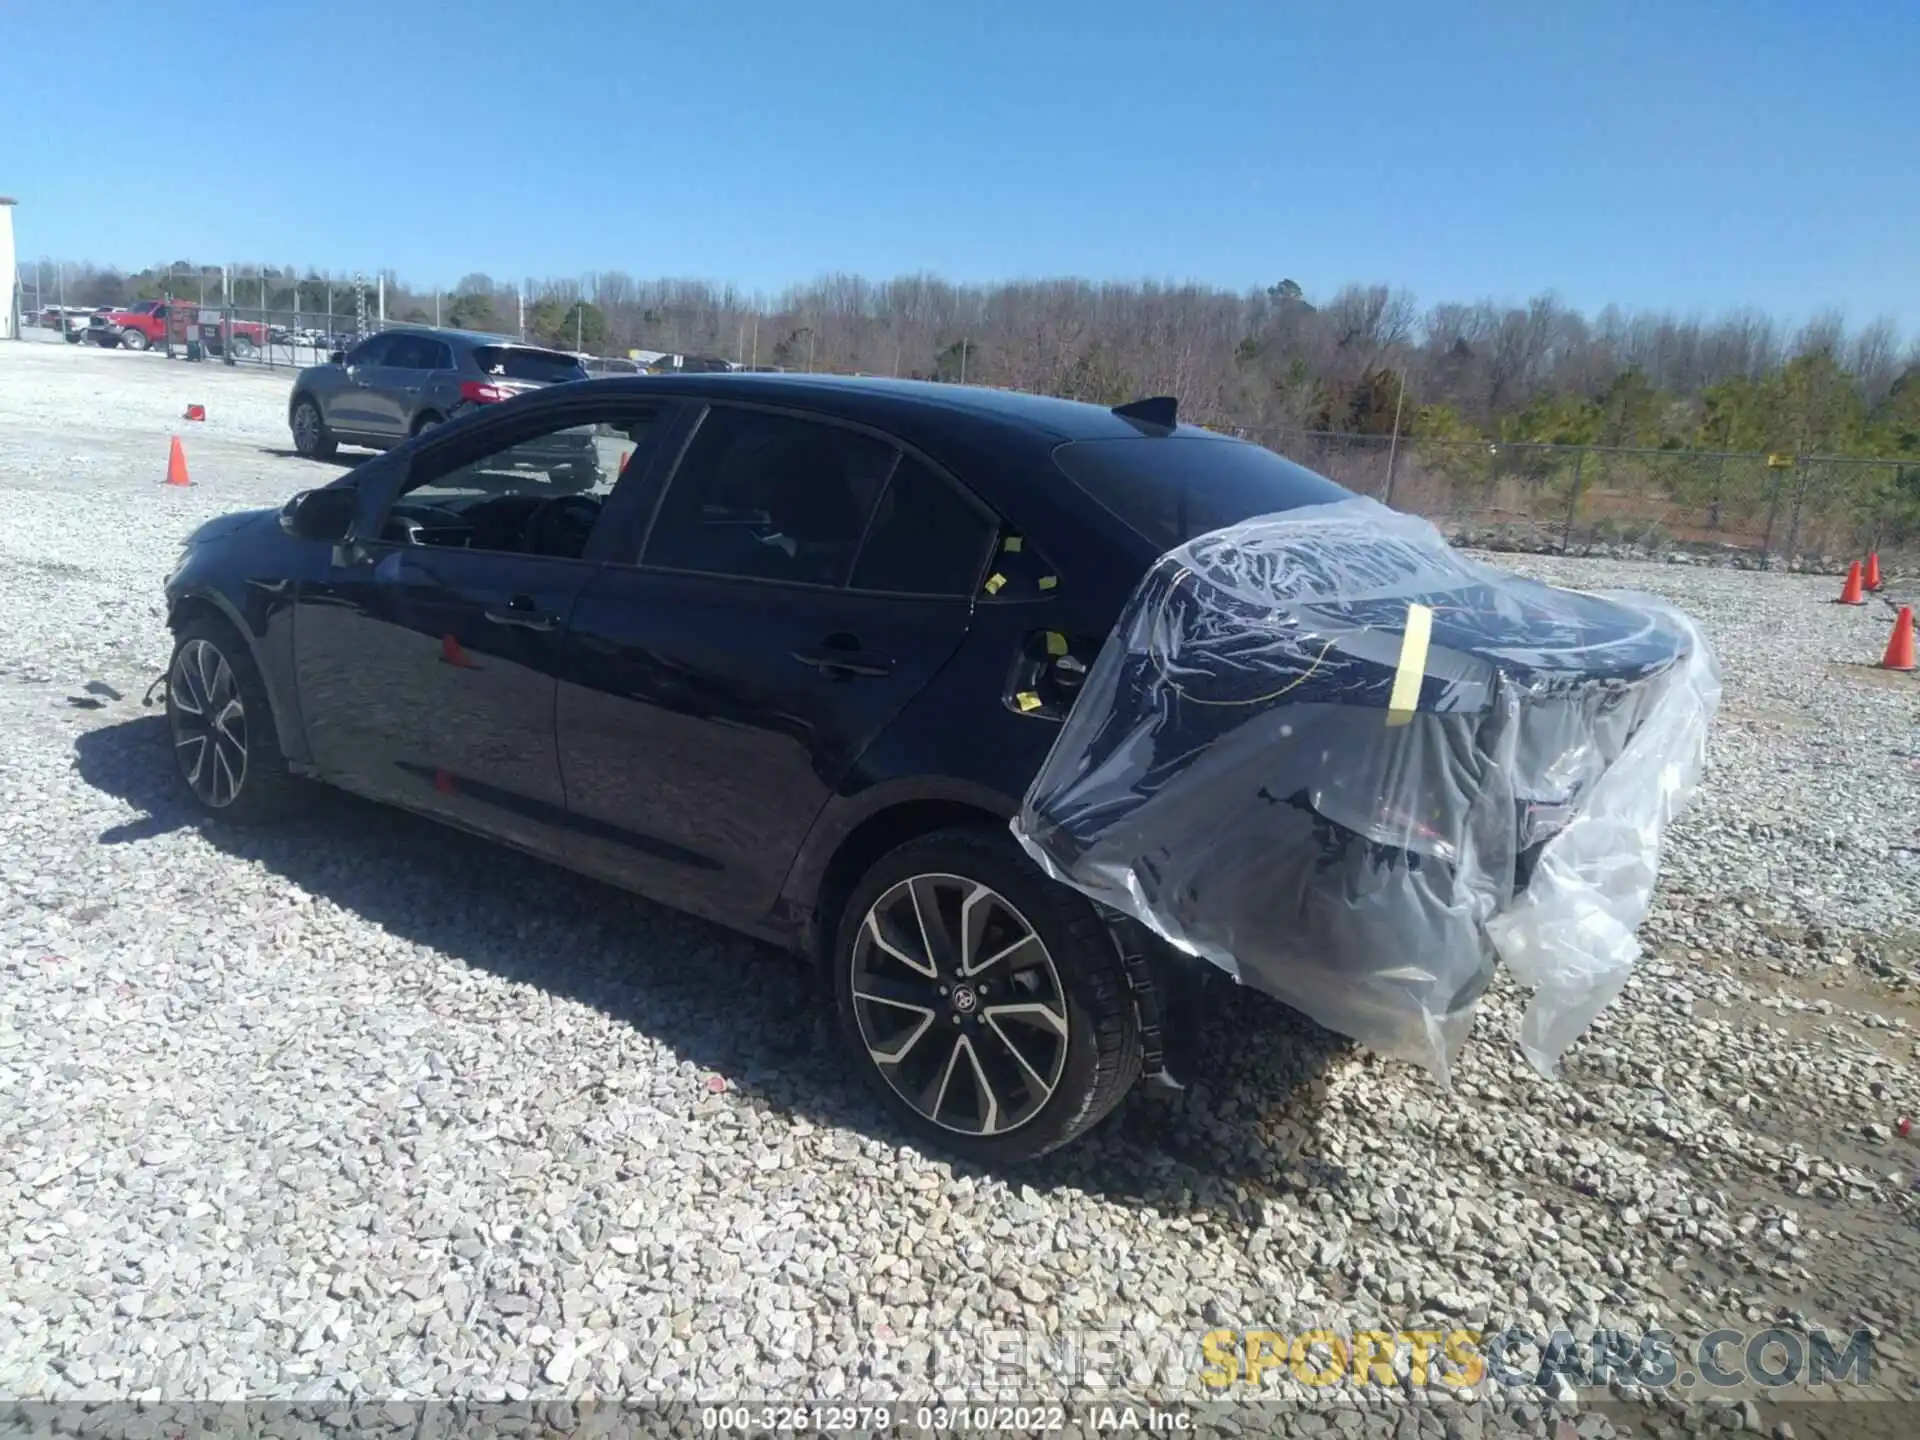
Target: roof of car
[
  {"x": 471, "y": 337},
  {"x": 1041, "y": 414}
]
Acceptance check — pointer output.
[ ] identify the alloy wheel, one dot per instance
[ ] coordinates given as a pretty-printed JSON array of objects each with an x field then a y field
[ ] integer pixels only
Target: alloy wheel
[
  {"x": 209, "y": 723},
  {"x": 306, "y": 428},
  {"x": 959, "y": 1004}
]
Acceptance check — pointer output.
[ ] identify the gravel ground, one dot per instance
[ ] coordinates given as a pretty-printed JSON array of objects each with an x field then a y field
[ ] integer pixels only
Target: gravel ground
[{"x": 367, "y": 1110}]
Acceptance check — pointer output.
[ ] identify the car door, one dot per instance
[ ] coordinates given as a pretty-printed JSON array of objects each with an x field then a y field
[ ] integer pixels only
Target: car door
[
  {"x": 394, "y": 387},
  {"x": 714, "y": 694},
  {"x": 350, "y": 408},
  {"x": 427, "y": 658}
]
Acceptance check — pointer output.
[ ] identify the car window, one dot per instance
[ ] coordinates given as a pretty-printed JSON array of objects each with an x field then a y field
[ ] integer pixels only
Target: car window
[
  {"x": 769, "y": 497},
  {"x": 410, "y": 352},
  {"x": 369, "y": 351},
  {"x": 926, "y": 538},
  {"x": 538, "y": 492},
  {"x": 442, "y": 357},
  {"x": 525, "y": 362},
  {"x": 1168, "y": 490}
]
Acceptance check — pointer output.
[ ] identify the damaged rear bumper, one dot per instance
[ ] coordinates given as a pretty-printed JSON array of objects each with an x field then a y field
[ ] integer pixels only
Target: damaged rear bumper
[{"x": 1332, "y": 757}]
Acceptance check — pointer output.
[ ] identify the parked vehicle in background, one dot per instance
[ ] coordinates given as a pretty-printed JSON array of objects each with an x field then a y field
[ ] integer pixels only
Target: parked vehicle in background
[
  {"x": 598, "y": 365},
  {"x": 144, "y": 324},
  {"x": 70, "y": 320},
  {"x": 400, "y": 382},
  {"x": 689, "y": 365}
]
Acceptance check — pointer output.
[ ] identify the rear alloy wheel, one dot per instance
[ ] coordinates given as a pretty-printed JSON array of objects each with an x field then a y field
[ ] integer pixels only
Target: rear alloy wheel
[
  {"x": 221, "y": 725},
  {"x": 311, "y": 439},
  {"x": 987, "y": 1003}
]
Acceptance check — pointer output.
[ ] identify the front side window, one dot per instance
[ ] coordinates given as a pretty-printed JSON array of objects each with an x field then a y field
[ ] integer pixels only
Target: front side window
[
  {"x": 538, "y": 494},
  {"x": 411, "y": 352},
  {"x": 770, "y": 497},
  {"x": 369, "y": 351}
]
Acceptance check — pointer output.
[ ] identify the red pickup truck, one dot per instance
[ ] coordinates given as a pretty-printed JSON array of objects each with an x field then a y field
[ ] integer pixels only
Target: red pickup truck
[{"x": 144, "y": 324}]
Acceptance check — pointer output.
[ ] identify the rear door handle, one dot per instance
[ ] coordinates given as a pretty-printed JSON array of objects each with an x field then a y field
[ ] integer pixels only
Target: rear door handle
[
  {"x": 845, "y": 662},
  {"x": 522, "y": 614}
]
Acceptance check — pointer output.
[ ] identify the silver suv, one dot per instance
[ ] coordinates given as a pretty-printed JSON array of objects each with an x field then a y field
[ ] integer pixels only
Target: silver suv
[{"x": 399, "y": 382}]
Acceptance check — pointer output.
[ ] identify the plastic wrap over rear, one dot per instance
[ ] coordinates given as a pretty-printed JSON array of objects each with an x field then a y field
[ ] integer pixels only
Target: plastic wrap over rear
[{"x": 1331, "y": 755}]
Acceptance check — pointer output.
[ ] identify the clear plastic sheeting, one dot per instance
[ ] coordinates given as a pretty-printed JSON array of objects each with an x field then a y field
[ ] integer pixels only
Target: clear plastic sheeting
[{"x": 1333, "y": 756}]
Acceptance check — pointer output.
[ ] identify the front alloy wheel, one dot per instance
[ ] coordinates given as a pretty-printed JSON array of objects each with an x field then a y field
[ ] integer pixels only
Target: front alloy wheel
[
  {"x": 311, "y": 439},
  {"x": 959, "y": 1004},
  {"x": 220, "y": 723},
  {"x": 209, "y": 721}
]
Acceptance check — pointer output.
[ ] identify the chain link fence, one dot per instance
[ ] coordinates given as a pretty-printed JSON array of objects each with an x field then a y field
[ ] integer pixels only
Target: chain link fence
[{"x": 1753, "y": 509}]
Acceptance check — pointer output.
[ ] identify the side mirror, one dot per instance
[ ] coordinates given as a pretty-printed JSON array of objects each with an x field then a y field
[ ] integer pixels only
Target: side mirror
[
  {"x": 323, "y": 515},
  {"x": 336, "y": 357}
]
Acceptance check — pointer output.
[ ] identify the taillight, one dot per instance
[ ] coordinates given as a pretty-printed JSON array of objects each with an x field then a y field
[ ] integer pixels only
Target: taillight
[{"x": 481, "y": 393}]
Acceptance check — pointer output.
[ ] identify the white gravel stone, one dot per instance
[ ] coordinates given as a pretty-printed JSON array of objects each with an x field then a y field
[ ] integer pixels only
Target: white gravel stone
[{"x": 368, "y": 1110}]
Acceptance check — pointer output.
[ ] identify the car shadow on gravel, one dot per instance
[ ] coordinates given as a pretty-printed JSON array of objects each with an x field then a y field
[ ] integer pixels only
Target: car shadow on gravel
[
  {"x": 1219, "y": 1148},
  {"x": 333, "y": 462}
]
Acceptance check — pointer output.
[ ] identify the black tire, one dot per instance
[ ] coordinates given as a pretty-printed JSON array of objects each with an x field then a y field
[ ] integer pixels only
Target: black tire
[
  {"x": 1101, "y": 1057},
  {"x": 243, "y": 348},
  {"x": 426, "y": 422},
  {"x": 133, "y": 339},
  {"x": 259, "y": 787},
  {"x": 312, "y": 440}
]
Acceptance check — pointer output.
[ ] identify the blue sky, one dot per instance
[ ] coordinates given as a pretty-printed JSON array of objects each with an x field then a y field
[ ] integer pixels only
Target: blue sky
[{"x": 1684, "y": 154}]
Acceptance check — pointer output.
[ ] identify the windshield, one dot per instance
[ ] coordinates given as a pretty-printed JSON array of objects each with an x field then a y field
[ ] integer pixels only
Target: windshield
[
  {"x": 1170, "y": 489},
  {"x": 522, "y": 362}
]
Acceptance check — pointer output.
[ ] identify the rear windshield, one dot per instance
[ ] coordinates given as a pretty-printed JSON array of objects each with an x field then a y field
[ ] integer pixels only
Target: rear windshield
[
  {"x": 1171, "y": 489},
  {"x": 522, "y": 362}
]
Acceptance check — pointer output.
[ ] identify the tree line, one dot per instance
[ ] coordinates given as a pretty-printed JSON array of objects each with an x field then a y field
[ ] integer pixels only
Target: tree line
[{"x": 1364, "y": 360}]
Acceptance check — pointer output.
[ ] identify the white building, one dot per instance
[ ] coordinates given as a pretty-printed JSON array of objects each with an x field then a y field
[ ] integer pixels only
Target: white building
[{"x": 9, "y": 275}]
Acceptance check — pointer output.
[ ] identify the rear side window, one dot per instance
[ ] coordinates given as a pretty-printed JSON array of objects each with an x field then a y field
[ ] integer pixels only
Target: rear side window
[
  {"x": 925, "y": 538},
  {"x": 769, "y": 497},
  {"x": 1170, "y": 489},
  {"x": 523, "y": 362}
]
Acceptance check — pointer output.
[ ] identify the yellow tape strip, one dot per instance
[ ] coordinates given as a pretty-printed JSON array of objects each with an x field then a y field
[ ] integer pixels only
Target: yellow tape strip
[
  {"x": 1012, "y": 547},
  {"x": 1412, "y": 669},
  {"x": 1056, "y": 643},
  {"x": 1047, "y": 582},
  {"x": 994, "y": 582},
  {"x": 1027, "y": 700}
]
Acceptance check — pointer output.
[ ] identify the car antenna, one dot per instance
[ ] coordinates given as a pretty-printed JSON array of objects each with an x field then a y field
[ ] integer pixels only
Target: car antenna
[{"x": 1159, "y": 412}]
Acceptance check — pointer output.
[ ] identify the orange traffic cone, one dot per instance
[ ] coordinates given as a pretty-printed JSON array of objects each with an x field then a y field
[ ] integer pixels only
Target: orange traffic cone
[
  {"x": 452, "y": 654},
  {"x": 1873, "y": 570},
  {"x": 1852, "y": 592},
  {"x": 1899, "y": 654},
  {"x": 177, "y": 465}
]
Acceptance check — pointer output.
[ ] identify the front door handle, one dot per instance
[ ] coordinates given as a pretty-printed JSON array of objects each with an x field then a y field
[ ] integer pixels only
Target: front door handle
[
  {"x": 522, "y": 614},
  {"x": 845, "y": 662}
]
